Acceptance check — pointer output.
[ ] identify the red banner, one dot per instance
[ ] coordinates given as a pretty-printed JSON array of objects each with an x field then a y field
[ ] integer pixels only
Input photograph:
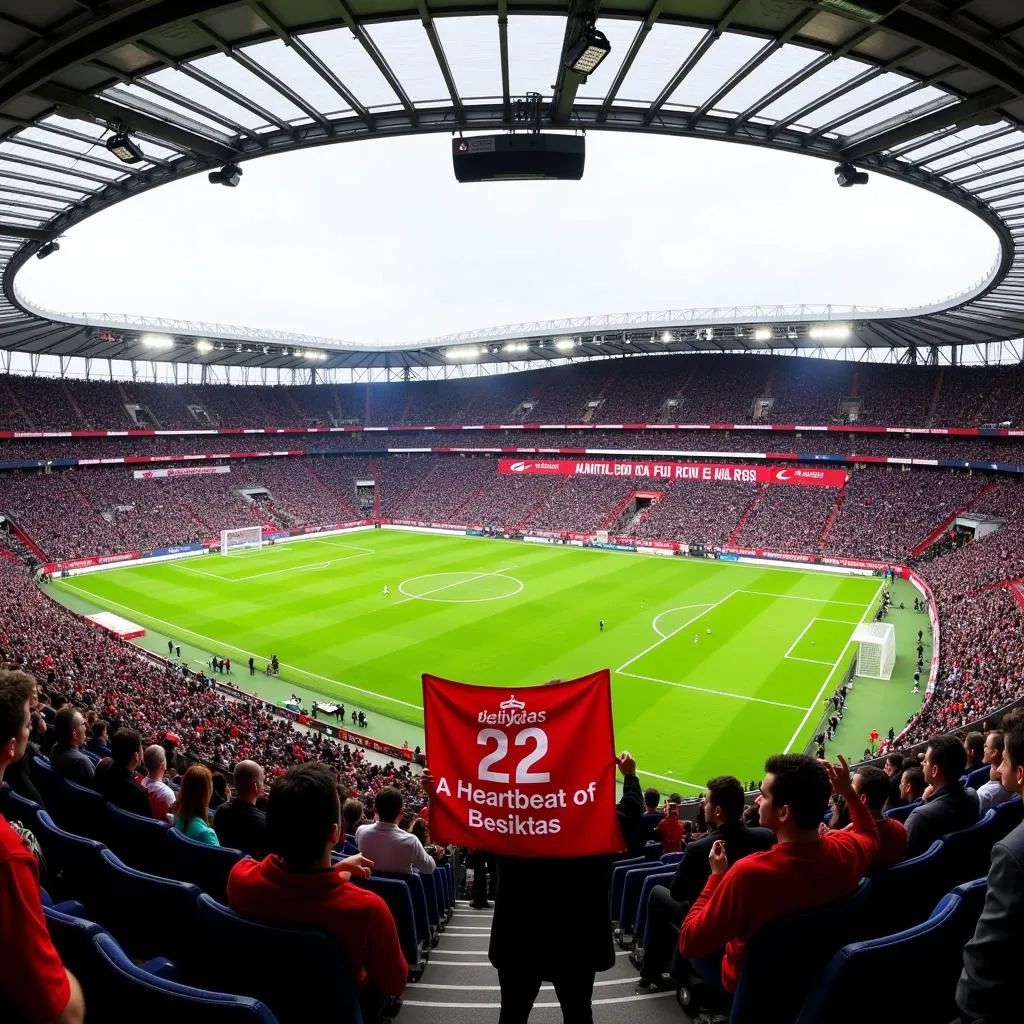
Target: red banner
[
  {"x": 526, "y": 772},
  {"x": 671, "y": 471}
]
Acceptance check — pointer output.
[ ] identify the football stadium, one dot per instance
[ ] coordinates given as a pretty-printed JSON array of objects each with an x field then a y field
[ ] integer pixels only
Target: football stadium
[{"x": 655, "y": 666}]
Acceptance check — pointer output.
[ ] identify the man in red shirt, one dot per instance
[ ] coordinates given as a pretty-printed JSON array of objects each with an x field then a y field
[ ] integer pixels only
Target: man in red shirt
[
  {"x": 872, "y": 787},
  {"x": 804, "y": 869},
  {"x": 34, "y": 985},
  {"x": 298, "y": 885}
]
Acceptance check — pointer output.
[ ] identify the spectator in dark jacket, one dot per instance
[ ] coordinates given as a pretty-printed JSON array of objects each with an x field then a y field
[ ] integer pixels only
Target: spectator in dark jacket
[
  {"x": 723, "y": 808},
  {"x": 950, "y": 807},
  {"x": 115, "y": 775},
  {"x": 239, "y": 823},
  {"x": 66, "y": 754},
  {"x": 96, "y": 744},
  {"x": 532, "y": 894},
  {"x": 988, "y": 988}
]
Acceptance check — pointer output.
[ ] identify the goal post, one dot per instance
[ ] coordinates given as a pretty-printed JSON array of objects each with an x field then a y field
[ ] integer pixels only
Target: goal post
[
  {"x": 876, "y": 649},
  {"x": 244, "y": 538}
]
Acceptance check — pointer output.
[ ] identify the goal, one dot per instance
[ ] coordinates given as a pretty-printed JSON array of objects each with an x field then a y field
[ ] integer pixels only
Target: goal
[
  {"x": 240, "y": 539},
  {"x": 876, "y": 651}
]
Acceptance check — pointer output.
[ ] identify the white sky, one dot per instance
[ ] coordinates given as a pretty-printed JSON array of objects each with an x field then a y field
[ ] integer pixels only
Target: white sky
[{"x": 375, "y": 241}]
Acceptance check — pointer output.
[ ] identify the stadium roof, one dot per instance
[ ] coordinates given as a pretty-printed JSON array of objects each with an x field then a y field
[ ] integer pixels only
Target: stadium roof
[{"x": 928, "y": 91}]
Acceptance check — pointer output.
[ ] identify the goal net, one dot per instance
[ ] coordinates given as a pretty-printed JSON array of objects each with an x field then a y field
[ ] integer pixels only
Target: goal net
[
  {"x": 232, "y": 541},
  {"x": 876, "y": 649}
]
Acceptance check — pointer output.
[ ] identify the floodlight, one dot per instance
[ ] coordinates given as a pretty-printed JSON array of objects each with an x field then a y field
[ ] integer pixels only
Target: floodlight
[
  {"x": 830, "y": 332},
  {"x": 157, "y": 341},
  {"x": 122, "y": 146},
  {"x": 666, "y": 337},
  {"x": 564, "y": 344},
  {"x": 463, "y": 352},
  {"x": 847, "y": 175},
  {"x": 762, "y": 334},
  {"x": 588, "y": 51},
  {"x": 47, "y": 250},
  {"x": 204, "y": 347},
  {"x": 229, "y": 175}
]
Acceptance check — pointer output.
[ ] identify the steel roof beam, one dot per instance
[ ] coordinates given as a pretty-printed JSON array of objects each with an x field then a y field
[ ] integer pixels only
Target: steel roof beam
[
  {"x": 642, "y": 32},
  {"x": 978, "y": 140},
  {"x": 29, "y": 234},
  {"x": 356, "y": 28},
  {"x": 506, "y": 97},
  {"x": 442, "y": 59},
  {"x": 111, "y": 113},
  {"x": 203, "y": 78},
  {"x": 960, "y": 114},
  {"x": 312, "y": 61}
]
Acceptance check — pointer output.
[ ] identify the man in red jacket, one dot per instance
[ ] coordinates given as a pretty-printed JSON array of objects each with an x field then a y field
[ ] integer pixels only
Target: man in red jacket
[
  {"x": 804, "y": 869},
  {"x": 297, "y": 884}
]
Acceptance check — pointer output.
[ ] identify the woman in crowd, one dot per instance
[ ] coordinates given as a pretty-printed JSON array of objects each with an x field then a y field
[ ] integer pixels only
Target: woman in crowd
[{"x": 192, "y": 808}]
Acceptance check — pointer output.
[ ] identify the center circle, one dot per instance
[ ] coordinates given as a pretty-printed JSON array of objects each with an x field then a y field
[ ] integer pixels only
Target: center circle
[{"x": 461, "y": 587}]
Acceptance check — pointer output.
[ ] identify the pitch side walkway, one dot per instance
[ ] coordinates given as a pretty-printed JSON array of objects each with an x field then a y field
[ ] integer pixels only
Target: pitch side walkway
[{"x": 459, "y": 986}]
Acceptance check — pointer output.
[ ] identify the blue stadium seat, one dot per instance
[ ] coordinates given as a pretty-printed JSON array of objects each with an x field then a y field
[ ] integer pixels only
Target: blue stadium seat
[
  {"x": 978, "y": 777},
  {"x": 148, "y": 915},
  {"x": 72, "y": 935},
  {"x": 201, "y": 864},
  {"x": 671, "y": 858},
  {"x": 79, "y": 810},
  {"x": 46, "y": 779},
  {"x": 619, "y": 869},
  {"x": 969, "y": 850},
  {"x": 399, "y": 900},
  {"x": 1008, "y": 816},
  {"x": 630, "y": 905},
  {"x": 419, "y": 903},
  {"x": 904, "y": 812},
  {"x": 138, "y": 841},
  {"x": 848, "y": 992},
  {"x": 657, "y": 878},
  {"x": 905, "y": 894},
  {"x": 15, "y": 807},
  {"x": 768, "y": 985},
  {"x": 120, "y": 984},
  {"x": 71, "y": 857},
  {"x": 303, "y": 971}
]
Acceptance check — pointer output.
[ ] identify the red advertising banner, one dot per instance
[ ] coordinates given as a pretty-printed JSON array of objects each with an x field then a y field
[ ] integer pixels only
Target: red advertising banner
[
  {"x": 671, "y": 471},
  {"x": 524, "y": 772}
]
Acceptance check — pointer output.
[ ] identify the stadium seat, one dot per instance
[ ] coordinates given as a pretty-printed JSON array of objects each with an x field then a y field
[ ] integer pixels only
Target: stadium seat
[
  {"x": 904, "y": 812},
  {"x": 201, "y": 864},
  {"x": 769, "y": 987},
  {"x": 414, "y": 883},
  {"x": 399, "y": 900},
  {"x": 619, "y": 870},
  {"x": 148, "y": 915},
  {"x": 968, "y": 851},
  {"x": 72, "y": 936},
  {"x": 71, "y": 860},
  {"x": 120, "y": 984},
  {"x": 630, "y": 904},
  {"x": 1008, "y": 816},
  {"x": 905, "y": 894},
  {"x": 138, "y": 841},
  {"x": 79, "y": 810},
  {"x": 46, "y": 779},
  {"x": 848, "y": 990},
  {"x": 302, "y": 972},
  {"x": 15, "y": 807},
  {"x": 978, "y": 777},
  {"x": 657, "y": 878}
]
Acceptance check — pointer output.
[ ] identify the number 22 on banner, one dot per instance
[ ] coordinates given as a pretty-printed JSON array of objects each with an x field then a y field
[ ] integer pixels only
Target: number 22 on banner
[{"x": 524, "y": 737}]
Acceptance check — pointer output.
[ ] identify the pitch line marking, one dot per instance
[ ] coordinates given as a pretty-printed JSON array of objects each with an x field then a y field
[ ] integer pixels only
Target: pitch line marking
[
  {"x": 814, "y": 704},
  {"x": 659, "y": 642},
  {"x": 802, "y": 634},
  {"x": 241, "y": 650},
  {"x": 360, "y": 553},
  {"x": 457, "y": 583},
  {"x": 717, "y": 693},
  {"x": 667, "y": 611},
  {"x": 800, "y": 597},
  {"x": 809, "y": 661},
  {"x": 671, "y": 778}
]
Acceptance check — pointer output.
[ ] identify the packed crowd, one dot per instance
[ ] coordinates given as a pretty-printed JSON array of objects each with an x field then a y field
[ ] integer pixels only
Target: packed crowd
[
  {"x": 787, "y": 518},
  {"x": 689, "y": 389},
  {"x": 101, "y": 673}
]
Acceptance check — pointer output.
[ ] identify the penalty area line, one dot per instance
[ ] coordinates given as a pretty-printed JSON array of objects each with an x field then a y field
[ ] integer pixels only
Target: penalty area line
[{"x": 234, "y": 647}]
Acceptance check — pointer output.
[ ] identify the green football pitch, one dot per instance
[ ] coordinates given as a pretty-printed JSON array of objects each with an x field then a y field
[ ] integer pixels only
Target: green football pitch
[{"x": 714, "y": 665}]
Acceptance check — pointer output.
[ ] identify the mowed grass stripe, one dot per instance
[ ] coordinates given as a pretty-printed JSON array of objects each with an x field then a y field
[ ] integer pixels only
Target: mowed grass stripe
[{"x": 333, "y": 624}]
